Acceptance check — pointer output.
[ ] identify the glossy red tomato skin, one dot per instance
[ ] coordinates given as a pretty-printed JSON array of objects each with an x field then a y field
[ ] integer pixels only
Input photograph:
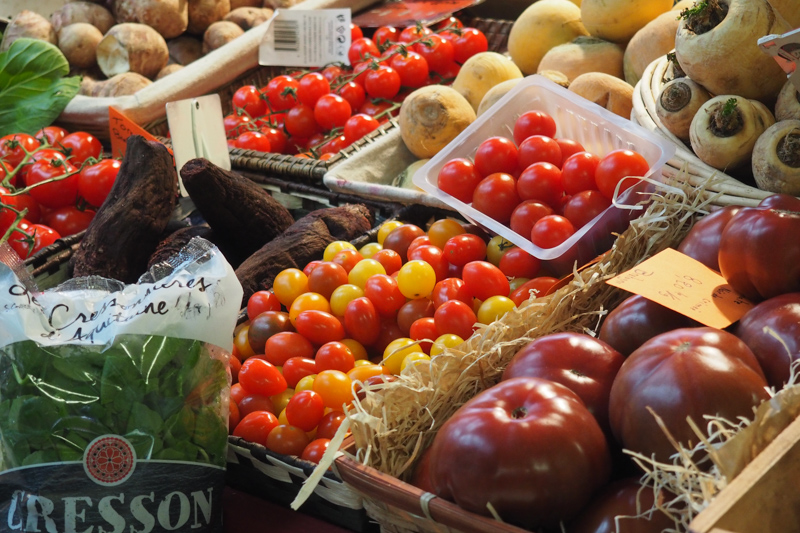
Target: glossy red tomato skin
[
  {"x": 484, "y": 280},
  {"x": 772, "y": 331},
  {"x": 620, "y": 499},
  {"x": 540, "y": 286},
  {"x": 578, "y": 172},
  {"x": 400, "y": 239},
  {"x": 462, "y": 249},
  {"x": 584, "y": 206},
  {"x": 497, "y": 155},
  {"x": 517, "y": 263},
  {"x": 264, "y": 326},
  {"x": 526, "y": 214},
  {"x": 362, "y": 321},
  {"x": 12, "y": 148},
  {"x": 319, "y": 327},
  {"x": 459, "y": 178},
  {"x": 382, "y": 83},
  {"x": 539, "y": 149},
  {"x": 43, "y": 236},
  {"x": 637, "y": 320},
  {"x": 471, "y": 41},
  {"x": 260, "y": 302},
  {"x": 568, "y": 148},
  {"x": 296, "y": 368},
  {"x": 533, "y": 123},
  {"x": 758, "y": 252},
  {"x": 260, "y": 377},
  {"x": 300, "y": 121},
  {"x": 59, "y": 193},
  {"x": 413, "y": 69},
  {"x": 585, "y": 365},
  {"x": 456, "y": 317},
  {"x": 617, "y": 165},
  {"x": 702, "y": 241},
  {"x": 534, "y": 451},
  {"x": 688, "y": 372},
  {"x": 496, "y": 197},
  {"x": 551, "y": 231},
  {"x": 248, "y": 98},
  {"x": 95, "y": 181},
  {"x": 781, "y": 201},
  {"x": 360, "y": 49},
  {"x": 411, "y": 311},
  {"x": 450, "y": 289},
  {"x": 80, "y": 146},
  {"x": 541, "y": 181},
  {"x": 69, "y": 220},
  {"x": 386, "y": 34}
]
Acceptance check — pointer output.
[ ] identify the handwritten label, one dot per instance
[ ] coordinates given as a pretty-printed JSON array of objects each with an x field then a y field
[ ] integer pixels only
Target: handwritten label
[
  {"x": 687, "y": 286},
  {"x": 298, "y": 38},
  {"x": 120, "y": 128}
]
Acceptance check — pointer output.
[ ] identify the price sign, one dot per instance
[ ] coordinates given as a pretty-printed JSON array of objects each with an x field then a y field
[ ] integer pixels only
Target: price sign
[
  {"x": 120, "y": 128},
  {"x": 687, "y": 286}
]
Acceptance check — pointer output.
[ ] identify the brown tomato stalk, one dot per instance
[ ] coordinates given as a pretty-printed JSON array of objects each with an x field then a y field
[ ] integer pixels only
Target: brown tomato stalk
[{"x": 725, "y": 129}]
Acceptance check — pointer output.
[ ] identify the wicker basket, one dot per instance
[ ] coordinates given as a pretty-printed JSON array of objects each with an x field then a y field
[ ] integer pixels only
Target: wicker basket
[
  {"x": 311, "y": 170},
  {"x": 731, "y": 191}
]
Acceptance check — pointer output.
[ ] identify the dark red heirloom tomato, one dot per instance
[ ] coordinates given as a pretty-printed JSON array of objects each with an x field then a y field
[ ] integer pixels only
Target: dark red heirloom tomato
[
  {"x": 781, "y": 201},
  {"x": 689, "y": 372},
  {"x": 527, "y": 446},
  {"x": 772, "y": 331},
  {"x": 585, "y": 365},
  {"x": 702, "y": 241},
  {"x": 620, "y": 499},
  {"x": 422, "y": 472},
  {"x": 637, "y": 320},
  {"x": 758, "y": 252}
]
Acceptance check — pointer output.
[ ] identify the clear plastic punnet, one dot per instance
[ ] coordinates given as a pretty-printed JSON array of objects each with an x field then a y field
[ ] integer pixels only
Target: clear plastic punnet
[{"x": 598, "y": 130}]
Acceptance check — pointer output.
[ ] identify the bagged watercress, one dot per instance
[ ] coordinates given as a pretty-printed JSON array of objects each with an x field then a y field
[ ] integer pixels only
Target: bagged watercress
[{"x": 114, "y": 399}]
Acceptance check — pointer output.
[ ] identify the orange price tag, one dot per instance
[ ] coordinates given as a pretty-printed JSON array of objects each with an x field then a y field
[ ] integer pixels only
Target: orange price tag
[
  {"x": 687, "y": 286},
  {"x": 120, "y": 128}
]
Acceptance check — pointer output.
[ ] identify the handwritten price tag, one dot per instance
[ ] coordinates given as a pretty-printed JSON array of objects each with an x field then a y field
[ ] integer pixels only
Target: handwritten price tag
[
  {"x": 687, "y": 286},
  {"x": 120, "y": 128}
]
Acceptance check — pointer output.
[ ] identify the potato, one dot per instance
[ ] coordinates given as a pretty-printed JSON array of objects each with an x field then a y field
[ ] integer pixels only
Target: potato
[
  {"x": 184, "y": 49},
  {"x": 249, "y": 17},
  {"x": 28, "y": 24},
  {"x": 170, "y": 18},
  {"x": 203, "y": 13},
  {"x": 78, "y": 42},
  {"x": 236, "y": 4},
  {"x": 582, "y": 55},
  {"x": 132, "y": 47},
  {"x": 94, "y": 14},
  {"x": 606, "y": 91},
  {"x": 280, "y": 4},
  {"x": 219, "y": 34},
  {"x": 123, "y": 85},
  {"x": 169, "y": 69},
  {"x": 431, "y": 117}
]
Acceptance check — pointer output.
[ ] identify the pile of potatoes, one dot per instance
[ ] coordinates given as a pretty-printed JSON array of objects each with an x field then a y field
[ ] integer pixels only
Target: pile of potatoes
[{"x": 121, "y": 46}]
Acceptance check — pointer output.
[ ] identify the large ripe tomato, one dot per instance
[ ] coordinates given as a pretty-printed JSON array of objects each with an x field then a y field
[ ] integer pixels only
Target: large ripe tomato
[
  {"x": 580, "y": 362},
  {"x": 772, "y": 331},
  {"x": 702, "y": 241},
  {"x": 60, "y": 193},
  {"x": 619, "y": 499},
  {"x": 496, "y": 196},
  {"x": 533, "y": 451},
  {"x": 758, "y": 252},
  {"x": 688, "y": 372},
  {"x": 637, "y": 320},
  {"x": 95, "y": 181}
]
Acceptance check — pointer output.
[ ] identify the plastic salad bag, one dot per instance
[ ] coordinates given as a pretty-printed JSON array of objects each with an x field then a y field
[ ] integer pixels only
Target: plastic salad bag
[{"x": 114, "y": 398}]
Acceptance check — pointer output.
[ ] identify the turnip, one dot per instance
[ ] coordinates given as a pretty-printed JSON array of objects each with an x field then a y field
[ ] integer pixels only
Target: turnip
[
  {"x": 776, "y": 158},
  {"x": 678, "y": 103},
  {"x": 725, "y": 129},
  {"x": 716, "y": 45},
  {"x": 788, "y": 105},
  {"x": 606, "y": 91},
  {"x": 431, "y": 117}
]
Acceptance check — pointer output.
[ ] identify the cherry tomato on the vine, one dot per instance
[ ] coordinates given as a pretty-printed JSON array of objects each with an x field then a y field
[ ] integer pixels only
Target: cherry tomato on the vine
[{"x": 95, "y": 181}]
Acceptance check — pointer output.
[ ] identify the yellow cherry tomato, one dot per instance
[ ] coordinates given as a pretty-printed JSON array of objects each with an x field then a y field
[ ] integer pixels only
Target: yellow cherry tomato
[
  {"x": 357, "y": 349},
  {"x": 496, "y": 248},
  {"x": 416, "y": 279},
  {"x": 370, "y": 249},
  {"x": 493, "y": 308},
  {"x": 414, "y": 359},
  {"x": 243, "y": 344},
  {"x": 442, "y": 230},
  {"x": 305, "y": 383},
  {"x": 343, "y": 295},
  {"x": 334, "y": 387},
  {"x": 282, "y": 418},
  {"x": 363, "y": 362},
  {"x": 516, "y": 283},
  {"x": 289, "y": 284},
  {"x": 279, "y": 401},
  {"x": 334, "y": 248},
  {"x": 365, "y": 269},
  {"x": 448, "y": 340},
  {"x": 309, "y": 301},
  {"x": 386, "y": 228},
  {"x": 397, "y": 350},
  {"x": 364, "y": 372}
]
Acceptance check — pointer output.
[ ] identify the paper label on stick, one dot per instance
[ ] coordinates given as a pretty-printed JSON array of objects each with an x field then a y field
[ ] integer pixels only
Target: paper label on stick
[
  {"x": 687, "y": 286},
  {"x": 120, "y": 128},
  {"x": 197, "y": 130},
  {"x": 298, "y": 38}
]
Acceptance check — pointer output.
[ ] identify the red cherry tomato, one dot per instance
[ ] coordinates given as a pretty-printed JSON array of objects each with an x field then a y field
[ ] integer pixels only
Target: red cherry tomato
[
  {"x": 362, "y": 49},
  {"x": 400, "y": 239},
  {"x": 536, "y": 286},
  {"x": 456, "y": 317},
  {"x": 335, "y": 356},
  {"x": 325, "y": 277},
  {"x": 411, "y": 311},
  {"x": 382, "y": 83},
  {"x": 327, "y": 427},
  {"x": 42, "y": 236},
  {"x": 414, "y": 33},
  {"x": 287, "y": 440},
  {"x": 331, "y": 111},
  {"x": 551, "y": 231},
  {"x": 541, "y": 181},
  {"x": 253, "y": 140},
  {"x": 539, "y": 148},
  {"x": 412, "y": 68},
  {"x": 305, "y": 410},
  {"x": 355, "y": 32},
  {"x": 95, "y": 181},
  {"x": 315, "y": 449},
  {"x": 358, "y": 126},
  {"x": 533, "y": 123},
  {"x": 438, "y": 52},
  {"x": 470, "y": 42},
  {"x": 497, "y": 154},
  {"x": 311, "y": 88},
  {"x": 432, "y": 255},
  {"x": 347, "y": 259},
  {"x": 256, "y": 426},
  {"x": 261, "y": 377},
  {"x": 50, "y": 135},
  {"x": 281, "y": 92},
  {"x": 383, "y": 292},
  {"x": 354, "y": 94},
  {"x": 385, "y": 34},
  {"x": 584, "y": 206},
  {"x": 59, "y": 193},
  {"x": 300, "y": 121},
  {"x": 424, "y": 329},
  {"x": 24, "y": 201},
  {"x": 517, "y": 263},
  {"x": 450, "y": 289},
  {"x": 362, "y": 322},
  {"x": 484, "y": 280},
  {"x": 496, "y": 196},
  {"x": 389, "y": 259},
  {"x": 249, "y": 99},
  {"x": 80, "y": 146},
  {"x": 459, "y": 178},
  {"x": 250, "y": 403},
  {"x": 617, "y": 165},
  {"x": 235, "y": 124},
  {"x": 262, "y": 301},
  {"x": 319, "y": 327},
  {"x": 285, "y": 345},
  {"x": 296, "y": 368},
  {"x": 568, "y": 148},
  {"x": 465, "y": 248},
  {"x": 577, "y": 172},
  {"x": 13, "y": 148},
  {"x": 69, "y": 220},
  {"x": 526, "y": 214}
]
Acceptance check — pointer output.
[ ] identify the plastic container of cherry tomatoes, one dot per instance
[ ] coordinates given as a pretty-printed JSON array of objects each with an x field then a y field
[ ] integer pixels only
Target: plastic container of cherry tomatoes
[{"x": 598, "y": 130}]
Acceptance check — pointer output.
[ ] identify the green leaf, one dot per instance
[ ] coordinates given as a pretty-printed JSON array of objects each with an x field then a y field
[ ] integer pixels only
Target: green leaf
[{"x": 33, "y": 90}]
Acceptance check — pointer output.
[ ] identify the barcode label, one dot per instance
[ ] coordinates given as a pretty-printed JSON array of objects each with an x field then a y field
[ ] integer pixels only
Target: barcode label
[
  {"x": 298, "y": 38},
  {"x": 286, "y": 38}
]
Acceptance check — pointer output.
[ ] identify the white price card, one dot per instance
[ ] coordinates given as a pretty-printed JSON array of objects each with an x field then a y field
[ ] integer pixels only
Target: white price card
[
  {"x": 197, "y": 130},
  {"x": 298, "y": 38}
]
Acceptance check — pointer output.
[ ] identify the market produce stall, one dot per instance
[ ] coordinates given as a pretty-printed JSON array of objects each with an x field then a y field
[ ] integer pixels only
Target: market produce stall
[{"x": 537, "y": 273}]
